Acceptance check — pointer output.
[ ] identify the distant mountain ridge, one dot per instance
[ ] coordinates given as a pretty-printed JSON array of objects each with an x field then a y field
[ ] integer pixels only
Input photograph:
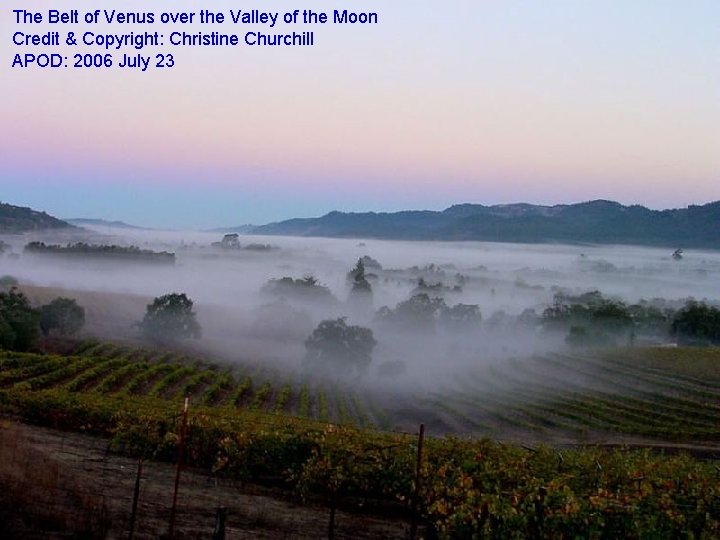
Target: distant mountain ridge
[
  {"x": 15, "y": 219},
  {"x": 599, "y": 221},
  {"x": 239, "y": 229},
  {"x": 103, "y": 223}
]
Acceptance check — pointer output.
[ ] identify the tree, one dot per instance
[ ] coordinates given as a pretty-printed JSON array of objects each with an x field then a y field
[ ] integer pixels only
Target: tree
[
  {"x": 360, "y": 284},
  {"x": 170, "y": 317},
  {"x": 580, "y": 336},
  {"x": 62, "y": 316},
  {"x": 419, "y": 313},
  {"x": 19, "y": 322},
  {"x": 371, "y": 263},
  {"x": 611, "y": 316},
  {"x": 461, "y": 317},
  {"x": 308, "y": 290},
  {"x": 528, "y": 319},
  {"x": 7, "y": 334},
  {"x": 590, "y": 310},
  {"x": 651, "y": 320},
  {"x": 280, "y": 320},
  {"x": 697, "y": 323},
  {"x": 361, "y": 297},
  {"x": 335, "y": 345},
  {"x": 230, "y": 241},
  {"x": 8, "y": 282}
]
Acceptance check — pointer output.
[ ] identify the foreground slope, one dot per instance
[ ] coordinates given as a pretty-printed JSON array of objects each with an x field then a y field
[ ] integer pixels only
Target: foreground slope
[{"x": 468, "y": 487}]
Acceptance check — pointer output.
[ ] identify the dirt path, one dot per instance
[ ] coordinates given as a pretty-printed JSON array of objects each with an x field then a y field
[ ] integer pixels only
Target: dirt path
[{"x": 72, "y": 474}]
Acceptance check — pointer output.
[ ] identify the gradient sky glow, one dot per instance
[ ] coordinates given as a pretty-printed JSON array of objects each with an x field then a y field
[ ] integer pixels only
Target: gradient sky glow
[{"x": 447, "y": 101}]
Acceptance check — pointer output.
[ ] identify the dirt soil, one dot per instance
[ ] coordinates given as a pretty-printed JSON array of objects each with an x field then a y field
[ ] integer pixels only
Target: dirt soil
[{"x": 68, "y": 481}]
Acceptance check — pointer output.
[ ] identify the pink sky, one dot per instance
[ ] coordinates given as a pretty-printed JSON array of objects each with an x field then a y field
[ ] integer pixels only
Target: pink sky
[{"x": 506, "y": 102}]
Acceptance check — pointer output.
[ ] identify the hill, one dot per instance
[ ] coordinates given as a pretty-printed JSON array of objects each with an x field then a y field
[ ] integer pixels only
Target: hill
[
  {"x": 14, "y": 219},
  {"x": 87, "y": 222},
  {"x": 600, "y": 221},
  {"x": 239, "y": 229}
]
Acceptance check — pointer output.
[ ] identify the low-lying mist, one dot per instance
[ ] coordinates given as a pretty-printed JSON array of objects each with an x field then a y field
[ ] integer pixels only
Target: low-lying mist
[{"x": 249, "y": 319}]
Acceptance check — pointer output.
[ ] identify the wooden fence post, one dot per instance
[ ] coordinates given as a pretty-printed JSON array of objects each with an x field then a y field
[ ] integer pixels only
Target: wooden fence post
[
  {"x": 219, "y": 532},
  {"x": 331, "y": 522},
  {"x": 181, "y": 452},
  {"x": 136, "y": 496},
  {"x": 416, "y": 492},
  {"x": 540, "y": 513}
]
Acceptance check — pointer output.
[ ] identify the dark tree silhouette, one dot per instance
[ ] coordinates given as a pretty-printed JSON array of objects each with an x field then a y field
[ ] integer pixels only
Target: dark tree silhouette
[
  {"x": 697, "y": 323},
  {"x": 19, "y": 322},
  {"x": 360, "y": 284},
  {"x": 170, "y": 317},
  {"x": 334, "y": 345},
  {"x": 62, "y": 316},
  {"x": 308, "y": 289},
  {"x": 419, "y": 313},
  {"x": 461, "y": 317}
]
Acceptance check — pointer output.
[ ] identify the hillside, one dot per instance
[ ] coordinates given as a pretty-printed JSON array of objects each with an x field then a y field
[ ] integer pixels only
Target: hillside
[
  {"x": 87, "y": 222},
  {"x": 603, "y": 222},
  {"x": 471, "y": 487},
  {"x": 239, "y": 229},
  {"x": 15, "y": 219}
]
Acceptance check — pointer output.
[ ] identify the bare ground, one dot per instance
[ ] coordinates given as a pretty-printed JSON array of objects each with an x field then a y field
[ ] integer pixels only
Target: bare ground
[{"x": 55, "y": 482}]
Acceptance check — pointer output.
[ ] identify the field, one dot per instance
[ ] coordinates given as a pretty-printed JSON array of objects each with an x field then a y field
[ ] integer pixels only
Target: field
[
  {"x": 107, "y": 369},
  {"x": 252, "y": 428},
  {"x": 644, "y": 396}
]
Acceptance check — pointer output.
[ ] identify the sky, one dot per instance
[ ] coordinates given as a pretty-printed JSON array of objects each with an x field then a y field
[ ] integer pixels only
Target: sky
[{"x": 484, "y": 101}]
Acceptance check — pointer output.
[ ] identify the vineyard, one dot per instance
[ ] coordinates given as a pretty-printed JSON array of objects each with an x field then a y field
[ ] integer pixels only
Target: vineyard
[
  {"x": 111, "y": 370},
  {"x": 245, "y": 426},
  {"x": 660, "y": 395},
  {"x": 651, "y": 395}
]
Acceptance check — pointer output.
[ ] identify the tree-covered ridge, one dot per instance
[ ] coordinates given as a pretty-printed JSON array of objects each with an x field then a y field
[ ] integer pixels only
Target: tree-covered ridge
[
  {"x": 114, "y": 251},
  {"x": 600, "y": 221},
  {"x": 20, "y": 219}
]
